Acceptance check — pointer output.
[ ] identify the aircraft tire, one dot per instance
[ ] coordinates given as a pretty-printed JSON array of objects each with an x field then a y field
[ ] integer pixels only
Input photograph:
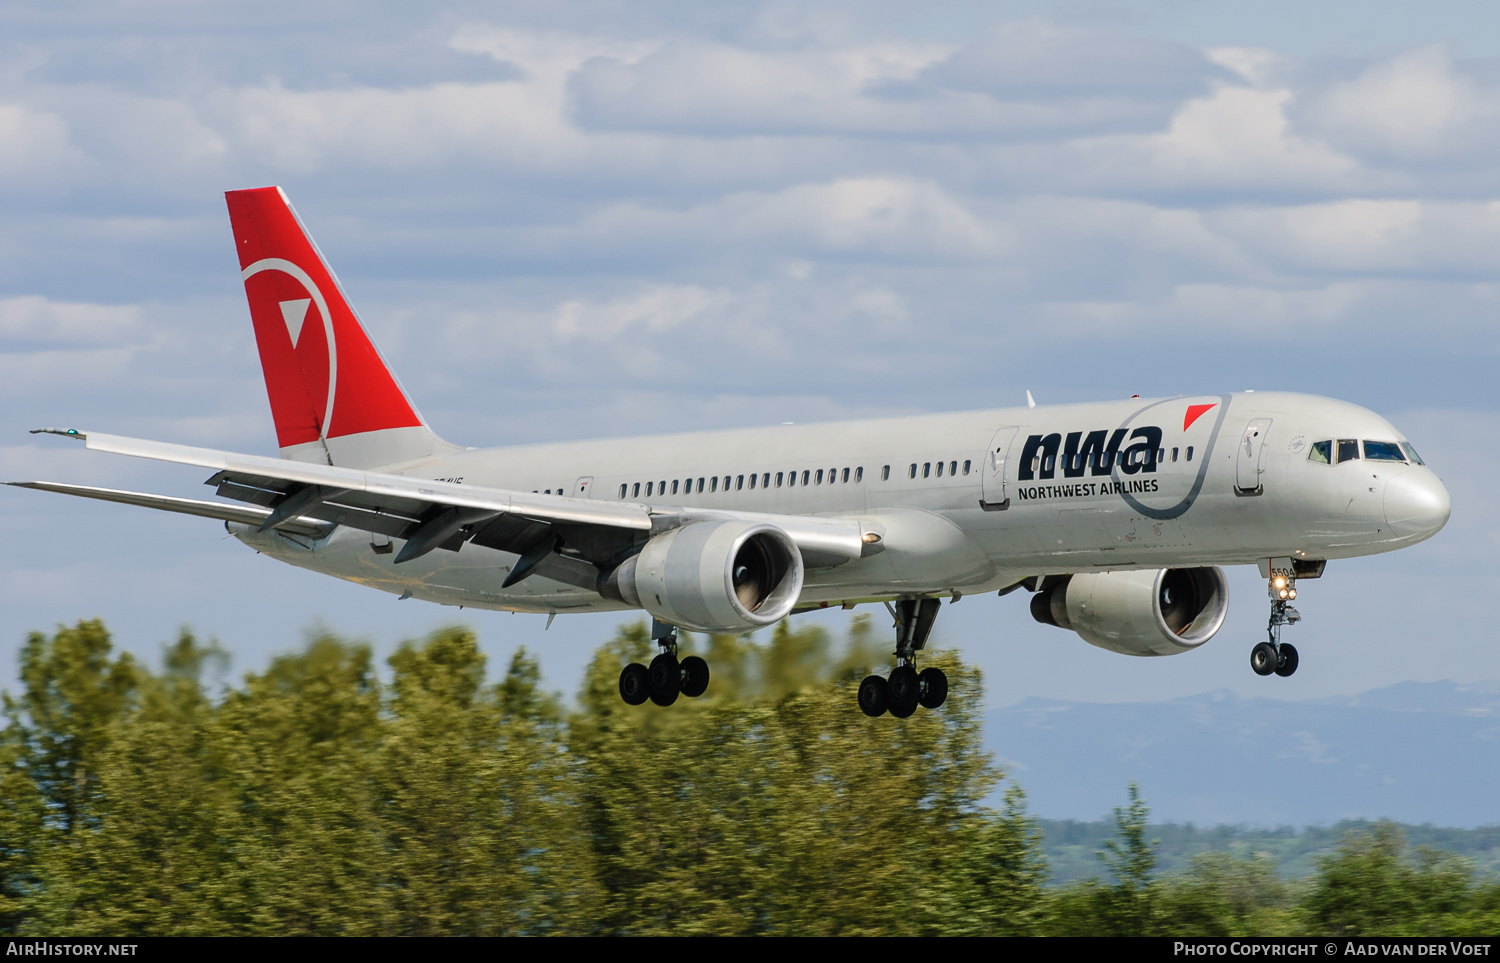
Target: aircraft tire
[
  {"x": 1286, "y": 662},
  {"x": 694, "y": 676},
  {"x": 874, "y": 696},
  {"x": 635, "y": 687},
  {"x": 934, "y": 688},
  {"x": 905, "y": 691},
  {"x": 665, "y": 677},
  {"x": 1263, "y": 659}
]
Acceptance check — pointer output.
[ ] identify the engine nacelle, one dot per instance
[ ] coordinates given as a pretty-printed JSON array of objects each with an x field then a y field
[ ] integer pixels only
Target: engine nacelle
[
  {"x": 712, "y": 576},
  {"x": 1162, "y": 612}
]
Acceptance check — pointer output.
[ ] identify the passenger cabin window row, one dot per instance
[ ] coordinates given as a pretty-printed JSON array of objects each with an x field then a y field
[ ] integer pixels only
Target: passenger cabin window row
[
  {"x": 715, "y": 483},
  {"x": 927, "y": 469},
  {"x": 1336, "y": 451}
]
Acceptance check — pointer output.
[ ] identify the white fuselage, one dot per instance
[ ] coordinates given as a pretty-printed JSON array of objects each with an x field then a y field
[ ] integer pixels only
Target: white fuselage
[{"x": 959, "y": 508}]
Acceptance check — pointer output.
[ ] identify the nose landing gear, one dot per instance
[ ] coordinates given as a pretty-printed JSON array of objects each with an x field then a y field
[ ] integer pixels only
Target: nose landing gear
[
  {"x": 665, "y": 678},
  {"x": 901, "y": 692},
  {"x": 1273, "y": 656}
]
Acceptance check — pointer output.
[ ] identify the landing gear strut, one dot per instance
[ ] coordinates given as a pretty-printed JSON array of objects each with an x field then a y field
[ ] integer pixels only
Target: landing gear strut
[
  {"x": 905, "y": 688},
  {"x": 1274, "y": 656},
  {"x": 665, "y": 678}
]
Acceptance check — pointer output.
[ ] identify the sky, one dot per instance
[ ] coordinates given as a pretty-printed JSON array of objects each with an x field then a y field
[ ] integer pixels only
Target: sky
[{"x": 578, "y": 220}]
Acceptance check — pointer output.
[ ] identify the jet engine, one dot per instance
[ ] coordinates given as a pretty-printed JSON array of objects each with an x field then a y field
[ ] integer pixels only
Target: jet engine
[
  {"x": 1160, "y": 612},
  {"x": 712, "y": 576}
]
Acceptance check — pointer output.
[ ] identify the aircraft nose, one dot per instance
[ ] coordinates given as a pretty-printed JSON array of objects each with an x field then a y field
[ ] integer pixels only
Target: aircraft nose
[{"x": 1416, "y": 503}]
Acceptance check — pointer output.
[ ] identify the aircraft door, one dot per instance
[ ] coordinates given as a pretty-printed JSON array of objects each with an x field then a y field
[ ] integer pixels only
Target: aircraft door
[
  {"x": 1250, "y": 461},
  {"x": 995, "y": 497},
  {"x": 583, "y": 486}
]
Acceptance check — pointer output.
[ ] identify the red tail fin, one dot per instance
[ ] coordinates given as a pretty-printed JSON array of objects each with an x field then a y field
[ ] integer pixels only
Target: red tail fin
[{"x": 333, "y": 398}]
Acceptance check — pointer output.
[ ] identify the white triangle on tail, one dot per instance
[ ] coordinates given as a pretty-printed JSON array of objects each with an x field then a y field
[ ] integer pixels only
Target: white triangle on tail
[{"x": 294, "y": 313}]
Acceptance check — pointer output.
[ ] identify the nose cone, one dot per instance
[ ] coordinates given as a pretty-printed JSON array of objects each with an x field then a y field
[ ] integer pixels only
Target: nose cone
[{"x": 1416, "y": 503}]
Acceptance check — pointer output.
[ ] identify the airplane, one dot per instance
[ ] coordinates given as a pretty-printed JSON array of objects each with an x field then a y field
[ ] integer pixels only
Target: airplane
[{"x": 1117, "y": 517}]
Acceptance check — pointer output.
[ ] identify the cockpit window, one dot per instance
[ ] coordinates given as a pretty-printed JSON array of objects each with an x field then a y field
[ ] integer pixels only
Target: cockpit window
[
  {"x": 1412, "y": 453},
  {"x": 1383, "y": 451},
  {"x": 1348, "y": 450},
  {"x": 1322, "y": 452}
]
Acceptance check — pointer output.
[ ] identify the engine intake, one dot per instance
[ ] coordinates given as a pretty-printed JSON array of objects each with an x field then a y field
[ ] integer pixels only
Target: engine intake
[
  {"x": 1161, "y": 612},
  {"x": 712, "y": 576}
]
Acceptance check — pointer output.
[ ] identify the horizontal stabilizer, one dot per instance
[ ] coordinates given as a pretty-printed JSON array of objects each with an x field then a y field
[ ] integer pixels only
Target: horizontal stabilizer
[{"x": 245, "y": 514}]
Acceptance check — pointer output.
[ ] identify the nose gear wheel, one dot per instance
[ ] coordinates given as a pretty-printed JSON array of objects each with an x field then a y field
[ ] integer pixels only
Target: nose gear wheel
[{"x": 1273, "y": 656}]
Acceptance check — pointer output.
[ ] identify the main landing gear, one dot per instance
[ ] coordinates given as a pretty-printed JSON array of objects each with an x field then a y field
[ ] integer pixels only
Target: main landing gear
[
  {"x": 905, "y": 688},
  {"x": 1275, "y": 656},
  {"x": 665, "y": 678}
]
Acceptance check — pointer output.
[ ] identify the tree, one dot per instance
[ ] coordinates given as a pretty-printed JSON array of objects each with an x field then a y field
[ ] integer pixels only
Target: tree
[{"x": 1370, "y": 888}]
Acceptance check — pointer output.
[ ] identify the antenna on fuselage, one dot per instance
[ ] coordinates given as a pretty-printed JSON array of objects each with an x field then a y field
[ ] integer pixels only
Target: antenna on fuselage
[{"x": 1030, "y": 401}]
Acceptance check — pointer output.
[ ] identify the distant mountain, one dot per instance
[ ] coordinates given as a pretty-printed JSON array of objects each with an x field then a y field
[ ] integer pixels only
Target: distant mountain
[{"x": 1415, "y": 752}]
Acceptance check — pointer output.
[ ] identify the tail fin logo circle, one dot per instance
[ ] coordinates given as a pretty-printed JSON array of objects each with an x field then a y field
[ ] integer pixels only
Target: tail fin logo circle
[{"x": 294, "y": 313}]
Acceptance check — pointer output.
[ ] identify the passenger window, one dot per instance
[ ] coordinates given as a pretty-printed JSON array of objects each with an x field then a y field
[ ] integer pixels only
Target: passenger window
[
  {"x": 1190, "y": 453},
  {"x": 846, "y": 476},
  {"x": 1412, "y": 453},
  {"x": 967, "y": 463},
  {"x": 859, "y": 473},
  {"x": 778, "y": 479},
  {"x": 885, "y": 473},
  {"x": 648, "y": 489},
  {"x": 661, "y": 488},
  {"x": 926, "y": 469},
  {"x": 1348, "y": 450},
  {"x": 804, "y": 477},
  {"x": 820, "y": 476},
  {"x": 726, "y": 483},
  {"x": 952, "y": 468},
  {"x": 715, "y": 486},
  {"x": 913, "y": 472},
  {"x": 674, "y": 486},
  {"x": 940, "y": 469},
  {"x": 765, "y": 480},
  {"x": 1383, "y": 451},
  {"x": 1321, "y": 452},
  {"x": 1161, "y": 455},
  {"x": 637, "y": 493},
  {"x": 833, "y": 475},
  {"x": 752, "y": 483},
  {"x": 622, "y": 491},
  {"x": 1174, "y": 454},
  {"x": 739, "y": 482}
]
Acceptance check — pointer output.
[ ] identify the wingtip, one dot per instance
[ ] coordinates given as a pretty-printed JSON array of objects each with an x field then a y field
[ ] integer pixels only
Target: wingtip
[{"x": 65, "y": 432}]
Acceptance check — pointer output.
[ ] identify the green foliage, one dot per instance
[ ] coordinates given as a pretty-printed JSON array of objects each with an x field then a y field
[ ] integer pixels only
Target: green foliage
[
  {"x": 313, "y": 799},
  {"x": 1225, "y": 895},
  {"x": 1374, "y": 887}
]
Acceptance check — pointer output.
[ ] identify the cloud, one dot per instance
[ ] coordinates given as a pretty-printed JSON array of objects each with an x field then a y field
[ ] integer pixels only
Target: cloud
[
  {"x": 656, "y": 309},
  {"x": 32, "y": 318},
  {"x": 35, "y": 149},
  {"x": 1416, "y": 106},
  {"x": 1237, "y": 140},
  {"x": 1040, "y": 60},
  {"x": 1368, "y": 235},
  {"x": 1020, "y": 80}
]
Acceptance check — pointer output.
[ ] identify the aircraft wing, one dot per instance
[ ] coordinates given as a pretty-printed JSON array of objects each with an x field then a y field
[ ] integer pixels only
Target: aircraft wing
[{"x": 429, "y": 514}]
